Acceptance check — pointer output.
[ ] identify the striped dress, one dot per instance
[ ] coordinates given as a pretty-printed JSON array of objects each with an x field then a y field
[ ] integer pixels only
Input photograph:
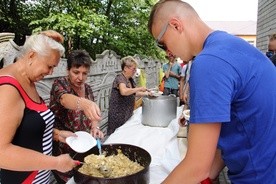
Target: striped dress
[{"x": 35, "y": 132}]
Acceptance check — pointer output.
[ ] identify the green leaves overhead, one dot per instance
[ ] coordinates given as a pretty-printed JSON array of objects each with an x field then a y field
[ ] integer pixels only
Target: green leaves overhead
[
  {"x": 71, "y": 25},
  {"x": 94, "y": 25}
]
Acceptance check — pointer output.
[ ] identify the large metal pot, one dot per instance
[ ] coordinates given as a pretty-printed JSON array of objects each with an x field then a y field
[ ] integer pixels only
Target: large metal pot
[
  {"x": 134, "y": 153},
  {"x": 159, "y": 111}
]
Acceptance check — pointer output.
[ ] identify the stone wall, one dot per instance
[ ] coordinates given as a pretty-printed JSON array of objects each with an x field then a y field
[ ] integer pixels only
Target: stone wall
[
  {"x": 102, "y": 73},
  {"x": 8, "y": 49}
]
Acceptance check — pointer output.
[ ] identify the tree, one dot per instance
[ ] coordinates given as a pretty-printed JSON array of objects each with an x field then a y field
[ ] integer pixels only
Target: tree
[
  {"x": 93, "y": 25},
  {"x": 15, "y": 16}
]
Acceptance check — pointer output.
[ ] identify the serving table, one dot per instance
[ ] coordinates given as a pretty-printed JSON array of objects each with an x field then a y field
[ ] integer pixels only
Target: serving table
[{"x": 165, "y": 148}]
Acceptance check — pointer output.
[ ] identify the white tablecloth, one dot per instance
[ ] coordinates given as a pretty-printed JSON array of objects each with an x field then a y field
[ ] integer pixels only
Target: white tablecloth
[{"x": 165, "y": 149}]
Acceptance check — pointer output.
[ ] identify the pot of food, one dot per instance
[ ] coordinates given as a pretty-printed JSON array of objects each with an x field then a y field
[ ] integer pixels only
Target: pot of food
[
  {"x": 159, "y": 111},
  {"x": 115, "y": 166}
]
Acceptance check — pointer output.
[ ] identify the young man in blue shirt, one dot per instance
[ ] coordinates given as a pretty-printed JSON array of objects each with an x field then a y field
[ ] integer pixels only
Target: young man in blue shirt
[{"x": 232, "y": 99}]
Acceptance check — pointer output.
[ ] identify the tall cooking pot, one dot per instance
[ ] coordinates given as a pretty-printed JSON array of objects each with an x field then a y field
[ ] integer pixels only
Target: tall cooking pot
[
  {"x": 134, "y": 153},
  {"x": 159, "y": 111}
]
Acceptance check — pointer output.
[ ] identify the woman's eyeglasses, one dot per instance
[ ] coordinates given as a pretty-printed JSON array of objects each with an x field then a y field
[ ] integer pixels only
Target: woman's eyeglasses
[
  {"x": 133, "y": 69},
  {"x": 161, "y": 34}
]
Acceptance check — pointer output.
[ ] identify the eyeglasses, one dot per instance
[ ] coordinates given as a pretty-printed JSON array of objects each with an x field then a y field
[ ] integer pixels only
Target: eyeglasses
[
  {"x": 270, "y": 53},
  {"x": 133, "y": 69},
  {"x": 161, "y": 34}
]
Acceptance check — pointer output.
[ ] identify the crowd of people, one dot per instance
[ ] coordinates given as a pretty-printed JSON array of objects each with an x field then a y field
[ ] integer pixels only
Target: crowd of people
[
  {"x": 228, "y": 85},
  {"x": 33, "y": 139}
]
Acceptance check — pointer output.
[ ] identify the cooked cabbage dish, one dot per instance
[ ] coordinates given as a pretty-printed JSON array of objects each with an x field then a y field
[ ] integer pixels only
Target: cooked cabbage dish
[{"x": 112, "y": 166}]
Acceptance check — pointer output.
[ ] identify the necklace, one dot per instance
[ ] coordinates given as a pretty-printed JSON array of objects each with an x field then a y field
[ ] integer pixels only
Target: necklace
[{"x": 128, "y": 81}]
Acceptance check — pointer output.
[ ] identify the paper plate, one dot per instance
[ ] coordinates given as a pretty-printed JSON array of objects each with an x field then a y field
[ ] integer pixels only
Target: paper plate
[{"x": 82, "y": 143}]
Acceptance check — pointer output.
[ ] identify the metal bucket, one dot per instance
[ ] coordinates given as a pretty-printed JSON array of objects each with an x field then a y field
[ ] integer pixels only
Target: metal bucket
[{"x": 159, "y": 111}]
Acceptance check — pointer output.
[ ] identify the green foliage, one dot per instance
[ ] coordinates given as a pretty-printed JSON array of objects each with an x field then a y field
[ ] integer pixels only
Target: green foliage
[
  {"x": 94, "y": 25},
  {"x": 15, "y": 15}
]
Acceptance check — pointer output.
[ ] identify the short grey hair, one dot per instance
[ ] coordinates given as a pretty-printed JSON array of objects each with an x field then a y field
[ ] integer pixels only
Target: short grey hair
[
  {"x": 128, "y": 61},
  {"x": 41, "y": 44}
]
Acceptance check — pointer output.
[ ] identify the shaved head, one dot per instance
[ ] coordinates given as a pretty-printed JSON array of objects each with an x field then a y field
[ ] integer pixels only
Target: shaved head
[
  {"x": 177, "y": 28},
  {"x": 163, "y": 10}
]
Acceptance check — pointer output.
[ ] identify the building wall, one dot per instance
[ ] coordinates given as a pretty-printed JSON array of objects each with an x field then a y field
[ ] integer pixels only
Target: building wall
[{"x": 266, "y": 22}]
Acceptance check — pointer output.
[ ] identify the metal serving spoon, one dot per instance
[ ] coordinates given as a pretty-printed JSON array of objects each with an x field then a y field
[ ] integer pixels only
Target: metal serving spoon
[{"x": 103, "y": 169}]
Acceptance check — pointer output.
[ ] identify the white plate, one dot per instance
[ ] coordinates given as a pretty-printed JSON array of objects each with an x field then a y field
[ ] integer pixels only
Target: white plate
[
  {"x": 82, "y": 143},
  {"x": 186, "y": 114}
]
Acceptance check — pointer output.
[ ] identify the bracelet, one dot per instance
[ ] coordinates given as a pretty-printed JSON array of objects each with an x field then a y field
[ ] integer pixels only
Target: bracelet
[
  {"x": 78, "y": 103},
  {"x": 96, "y": 127}
]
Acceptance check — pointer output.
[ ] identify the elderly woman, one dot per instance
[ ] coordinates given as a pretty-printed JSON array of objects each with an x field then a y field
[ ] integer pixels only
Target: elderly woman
[
  {"x": 26, "y": 124},
  {"x": 122, "y": 99},
  {"x": 72, "y": 101}
]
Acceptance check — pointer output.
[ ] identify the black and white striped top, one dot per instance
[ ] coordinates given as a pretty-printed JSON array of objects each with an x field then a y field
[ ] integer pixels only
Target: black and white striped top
[{"x": 34, "y": 132}]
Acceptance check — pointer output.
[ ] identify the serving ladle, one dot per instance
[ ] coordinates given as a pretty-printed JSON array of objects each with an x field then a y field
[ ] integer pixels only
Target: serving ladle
[
  {"x": 99, "y": 145},
  {"x": 103, "y": 169}
]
